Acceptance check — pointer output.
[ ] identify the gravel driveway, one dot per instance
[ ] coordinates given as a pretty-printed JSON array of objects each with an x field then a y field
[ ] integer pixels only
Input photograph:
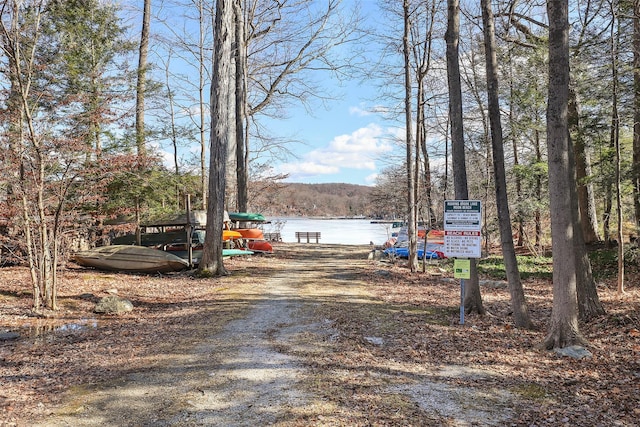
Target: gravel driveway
[{"x": 255, "y": 371}]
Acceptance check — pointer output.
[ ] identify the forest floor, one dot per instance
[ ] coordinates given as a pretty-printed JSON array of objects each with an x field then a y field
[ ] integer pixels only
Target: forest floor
[{"x": 312, "y": 335}]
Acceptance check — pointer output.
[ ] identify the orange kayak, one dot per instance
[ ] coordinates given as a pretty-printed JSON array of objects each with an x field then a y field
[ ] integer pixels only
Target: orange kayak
[
  {"x": 250, "y": 233},
  {"x": 260, "y": 246}
]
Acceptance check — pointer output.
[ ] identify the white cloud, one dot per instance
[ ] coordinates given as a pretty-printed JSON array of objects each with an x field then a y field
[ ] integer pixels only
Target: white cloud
[
  {"x": 307, "y": 169},
  {"x": 371, "y": 179},
  {"x": 359, "y": 112},
  {"x": 363, "y": 111},
  {"x": 358, "y": 150}
]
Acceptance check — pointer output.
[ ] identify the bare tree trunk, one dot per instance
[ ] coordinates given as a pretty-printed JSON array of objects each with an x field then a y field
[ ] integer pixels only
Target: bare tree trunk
[
  {"x": 411, "y": 202},
  {"x": 563, "y": 330},
  {"x": 220, "y": 134},
  {"x": 201, "y": 88},
  {"x": 538, "y": 214},
  {"x": 172, "y": 117},
  {"x": 516, "y": 163},
  {"x": 615, "y": 135},
  {"x": 518, "y": 302},
  {"x": 142, "y": 76},
  {"x": 426, "y": 164},
  {"x": 636, "y": 114},
  {"x": 472, "y": 297},
  {"x": 29, "y": 154},
  {"x": 242, "y": 173},
  {"x": 586, "y": 198},
  {"x": 589, "y": 304}
]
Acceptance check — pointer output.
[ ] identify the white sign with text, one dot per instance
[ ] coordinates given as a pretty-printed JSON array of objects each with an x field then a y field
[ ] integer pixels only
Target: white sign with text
[{"x": 463, "y": 228}]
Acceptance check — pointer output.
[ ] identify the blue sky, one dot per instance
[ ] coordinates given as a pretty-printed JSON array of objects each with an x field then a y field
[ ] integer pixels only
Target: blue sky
[{"x": 345, "y": 143}]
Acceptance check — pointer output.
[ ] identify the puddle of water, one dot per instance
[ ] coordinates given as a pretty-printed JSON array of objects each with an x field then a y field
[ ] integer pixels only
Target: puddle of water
[
  {"x": 78, "y": 327},
  {"x": 40, "y": 330}
]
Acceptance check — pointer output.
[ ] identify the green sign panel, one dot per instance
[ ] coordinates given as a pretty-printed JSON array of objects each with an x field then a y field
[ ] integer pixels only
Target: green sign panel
[{"x": 462, "y": 268}]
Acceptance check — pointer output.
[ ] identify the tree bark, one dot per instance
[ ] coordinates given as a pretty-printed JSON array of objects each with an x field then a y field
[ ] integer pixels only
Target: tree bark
[
  {"x": 242, "y": 155},
  {"x": 411, "y": 183},
  {"x": 538, "y": 212},
  {"x": 142, "y": 76},
  {"x": 201, "y": 89},
  {"x": 518, "y": 302},
  {"x": 636, "y": 113},
  {"x": 615, "y": 135},
  {"x": 563, "y": 330},
  {"x": 212, "y": 263},
  {"x": 586, "y": 198},
  {"x": 589, "y": 304},
  {"x": 472, "y": 297}
]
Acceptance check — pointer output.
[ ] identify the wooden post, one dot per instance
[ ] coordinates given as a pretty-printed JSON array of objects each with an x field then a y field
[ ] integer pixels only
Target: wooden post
[{"x": 188, "y": 228}]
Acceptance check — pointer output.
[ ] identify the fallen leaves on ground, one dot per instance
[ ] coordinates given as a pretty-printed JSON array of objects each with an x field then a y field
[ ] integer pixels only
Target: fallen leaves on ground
[{"x": 414, "y": 319}]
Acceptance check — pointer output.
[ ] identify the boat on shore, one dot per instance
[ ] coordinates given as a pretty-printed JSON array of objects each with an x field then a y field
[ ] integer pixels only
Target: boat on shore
[
  {"x": 403, "y": 252},
  {"x": 130, "y": 258},
  {"x": 253, "y": 239},
  {"x": 230, "y": 235},
  {"x": 246, "y": 217},
  {"x": 227, "y": 253},
  {"x": 260, "y": 246}
]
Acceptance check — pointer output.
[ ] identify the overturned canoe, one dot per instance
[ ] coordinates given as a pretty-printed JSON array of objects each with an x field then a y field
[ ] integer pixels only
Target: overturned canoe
[
  {"x": 261, "y": 246},
  {"x": 130, "y": 258}
]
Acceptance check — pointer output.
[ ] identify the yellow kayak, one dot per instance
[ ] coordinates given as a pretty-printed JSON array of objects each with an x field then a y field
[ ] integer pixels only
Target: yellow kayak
[{"x": 230, "y": 235}]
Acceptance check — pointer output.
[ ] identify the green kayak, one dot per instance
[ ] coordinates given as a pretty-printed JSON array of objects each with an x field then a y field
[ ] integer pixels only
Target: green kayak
[
  {"x": 246, "y": 217},
  {"x": 235, "y": 252}
]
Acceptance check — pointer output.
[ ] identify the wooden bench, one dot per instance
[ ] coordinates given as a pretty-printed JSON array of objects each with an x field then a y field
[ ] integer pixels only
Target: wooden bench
[
  {"x": 308, "y": 235},
  {"x": 273, "y": 237}
]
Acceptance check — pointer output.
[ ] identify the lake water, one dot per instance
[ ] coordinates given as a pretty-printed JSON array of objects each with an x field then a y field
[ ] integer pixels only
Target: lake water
[{"x": 334, "y": 231}]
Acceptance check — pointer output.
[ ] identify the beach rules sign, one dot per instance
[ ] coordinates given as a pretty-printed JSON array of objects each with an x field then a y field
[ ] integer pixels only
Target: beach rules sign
[{"x": 463, "y": 228}]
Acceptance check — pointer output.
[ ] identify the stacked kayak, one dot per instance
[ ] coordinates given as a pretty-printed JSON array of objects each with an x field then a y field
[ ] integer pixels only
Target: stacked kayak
[
  {"x": 230, "y": 235},
  {"x": 255, "y": 240},
  {"x": 246, "y": 217}
]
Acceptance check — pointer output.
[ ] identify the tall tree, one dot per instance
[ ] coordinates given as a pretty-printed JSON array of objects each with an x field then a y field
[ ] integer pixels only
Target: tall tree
[
  {"x": 636, "y": 114},
  {"x": 615, "y": 136},
  {"x": 422, "y": 56},
  {"x": 578, "y": 131},
  {"x": 189, "y": 36},
  {"x": 563, "y": 329},
  {"x": 143, "y": 53},
  {"x": 202, "y": 71},
  {"x": 45, "y": 149},
  {"x": 411, "y": 181},
  {"x": 221, "y": 130},
  {"x": 472, "y": 297},
  {"x": 287, "y": 45},
  {"x": 242, "y": 150},
  {"x": 88, "y": 65},
  {"x": 586, "y": 197},
  {"x": 518, "y": 302}
]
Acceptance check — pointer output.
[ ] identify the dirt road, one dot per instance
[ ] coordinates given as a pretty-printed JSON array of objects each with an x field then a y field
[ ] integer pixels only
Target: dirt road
[
  {"x": 282, "y": 362},
  {"x": 315, "y": 335}
]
